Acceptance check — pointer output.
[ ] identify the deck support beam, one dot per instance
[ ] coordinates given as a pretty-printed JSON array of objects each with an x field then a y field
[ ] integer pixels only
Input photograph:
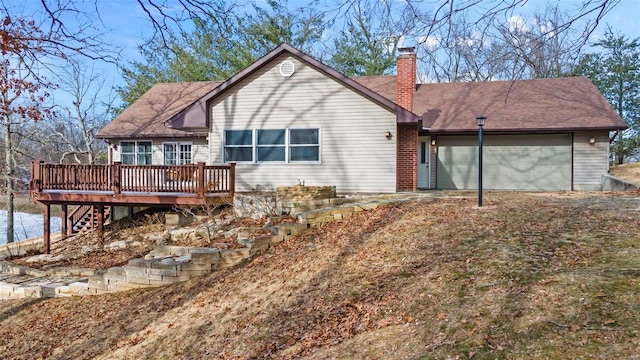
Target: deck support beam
[
  {"x": 65, "y": 223},
  {"x": 46, "y": 235},
  {"x": 100, "y": 225}
]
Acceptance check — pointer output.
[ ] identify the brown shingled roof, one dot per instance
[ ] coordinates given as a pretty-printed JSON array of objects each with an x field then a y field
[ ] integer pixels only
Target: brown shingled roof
[
  {"x": 559, "y": 104},
  {"x": 146, "y": 117}
]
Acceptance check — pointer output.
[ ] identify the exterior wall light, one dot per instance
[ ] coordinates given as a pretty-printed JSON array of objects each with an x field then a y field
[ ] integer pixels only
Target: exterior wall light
[
  {"x": 592, "y": 141},
  {"x": 433, "y": 142},
  {"x": 387, "y": 134}
]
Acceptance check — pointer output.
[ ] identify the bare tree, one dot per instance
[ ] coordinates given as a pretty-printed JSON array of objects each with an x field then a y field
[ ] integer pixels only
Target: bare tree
[
  {"x": 470, "y": 40},
  {"x": 536, "y": 47},
  {"x": 371, "y": 35},
  {"x": 28, "y": 49},
  {"x": 78, "y": 123},
  {"x": 21, "y": 98}
]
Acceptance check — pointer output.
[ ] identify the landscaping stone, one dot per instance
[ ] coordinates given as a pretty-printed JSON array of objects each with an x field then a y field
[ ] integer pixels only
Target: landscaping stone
[
  {"x": 171, "y": 264},
  {"x": 175, "y": 219}
]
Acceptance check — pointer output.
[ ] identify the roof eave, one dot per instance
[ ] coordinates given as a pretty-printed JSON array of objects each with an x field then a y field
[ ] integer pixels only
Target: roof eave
[
  {"x": 526, "y": 130},
  {"x": 153, "y": 136}
]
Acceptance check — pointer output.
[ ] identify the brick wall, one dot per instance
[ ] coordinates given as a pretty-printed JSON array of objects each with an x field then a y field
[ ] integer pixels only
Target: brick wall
[
  {"x": 407, "y": 157},
  {"x": 407, "y": 151},
  {"x": 406, "y": 78}
]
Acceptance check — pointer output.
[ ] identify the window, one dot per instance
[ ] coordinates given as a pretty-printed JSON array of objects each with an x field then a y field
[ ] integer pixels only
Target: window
[
  {"x": 238, "y": 145},
  {"x": 177, "y": 153},
  {"x": 272, "y": 145},
  {"x": 304, "y": 145},
  {"x": 135, "y": 152}
]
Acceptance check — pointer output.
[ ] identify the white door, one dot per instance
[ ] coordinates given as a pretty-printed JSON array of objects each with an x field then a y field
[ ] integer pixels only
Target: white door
[{"x": 424, "y": 158}]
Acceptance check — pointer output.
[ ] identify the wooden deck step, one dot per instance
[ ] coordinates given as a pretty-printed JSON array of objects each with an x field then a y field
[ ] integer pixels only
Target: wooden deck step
[{"x": 84, "y": 224}]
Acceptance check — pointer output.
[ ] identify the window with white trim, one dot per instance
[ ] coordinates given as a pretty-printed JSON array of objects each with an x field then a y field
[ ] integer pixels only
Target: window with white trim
[
  {"x": 136, "y": 152},
  {"x": 304, "y": 145},
  {"x": 176, "y": 153},
  {"x": 238, "y": 145},
  {"x": 272, "y": 145}
]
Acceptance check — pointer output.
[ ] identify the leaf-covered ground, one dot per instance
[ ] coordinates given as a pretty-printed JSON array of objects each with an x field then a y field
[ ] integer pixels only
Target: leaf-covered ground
[
  {"x": 142, "y": 233},
  {"x": 540, "y": 276}
]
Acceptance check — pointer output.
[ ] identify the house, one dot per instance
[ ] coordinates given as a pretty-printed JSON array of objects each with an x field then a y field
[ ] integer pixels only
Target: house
[{"x": 288, "y": 119}]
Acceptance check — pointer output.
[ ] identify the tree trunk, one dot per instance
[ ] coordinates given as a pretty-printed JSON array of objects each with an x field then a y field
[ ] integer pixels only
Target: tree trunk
[
  {"x": 8, "y": 176},
  {"x": 620, "y": 149}
]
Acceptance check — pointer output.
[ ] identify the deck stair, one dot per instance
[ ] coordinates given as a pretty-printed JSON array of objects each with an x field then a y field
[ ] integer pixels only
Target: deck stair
[{"x": 85, "y": 218}]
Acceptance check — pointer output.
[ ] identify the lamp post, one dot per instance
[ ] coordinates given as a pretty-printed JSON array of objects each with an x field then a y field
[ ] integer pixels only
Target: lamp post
[{"x": 480, "y": 120}]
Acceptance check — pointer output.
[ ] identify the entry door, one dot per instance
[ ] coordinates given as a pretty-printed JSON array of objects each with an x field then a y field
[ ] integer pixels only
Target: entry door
[{"x": 424, "y": 158}]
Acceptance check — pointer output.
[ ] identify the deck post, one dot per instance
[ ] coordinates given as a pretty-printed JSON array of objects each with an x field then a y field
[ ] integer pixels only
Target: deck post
[
  {"x": 232, "y": 179},
  {"x": 101, "y": 225},
  {"x": 36, "y": 171},
  {"x": 116, "y": 177},
  {"x": 201, "y": 189},
  {"x": 46, "y": 235},
  {"x": 64, "y": 220}
]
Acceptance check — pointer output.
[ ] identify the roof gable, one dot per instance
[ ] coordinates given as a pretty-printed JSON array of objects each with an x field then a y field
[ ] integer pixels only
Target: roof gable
[
  {"x": 146, "y": 117},
  {"x": 402, "y": 114}
]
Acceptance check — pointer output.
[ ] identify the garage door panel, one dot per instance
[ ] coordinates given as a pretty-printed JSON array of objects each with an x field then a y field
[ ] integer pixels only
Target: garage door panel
[{"x": 510, "y": 162}]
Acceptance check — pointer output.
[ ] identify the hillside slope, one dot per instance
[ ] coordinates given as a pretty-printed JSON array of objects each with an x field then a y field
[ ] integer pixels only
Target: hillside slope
[
  {"x": 627, "y": 172},
  {"x": 529, "y": 276}
]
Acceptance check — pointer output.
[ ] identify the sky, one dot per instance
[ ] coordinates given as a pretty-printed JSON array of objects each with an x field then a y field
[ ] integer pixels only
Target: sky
[{"x": 128, "y": 25}]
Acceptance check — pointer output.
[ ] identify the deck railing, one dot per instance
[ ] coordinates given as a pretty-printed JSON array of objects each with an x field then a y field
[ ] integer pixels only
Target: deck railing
[{"x": 197, "y": 179}]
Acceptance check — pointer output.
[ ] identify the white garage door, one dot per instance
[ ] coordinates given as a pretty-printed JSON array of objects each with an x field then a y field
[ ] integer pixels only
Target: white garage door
[{"x": 510, "y": 162}]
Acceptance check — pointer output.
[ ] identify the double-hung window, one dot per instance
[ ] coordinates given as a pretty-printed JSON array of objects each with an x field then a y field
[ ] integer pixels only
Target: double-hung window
[
  {"x": 238, "y": 145},
  {"x": 136, "y": 152},
  {"x": 272, "y": 145},
  {"x": 177, "y": 153},
  {"x": 304, "y": 145}
]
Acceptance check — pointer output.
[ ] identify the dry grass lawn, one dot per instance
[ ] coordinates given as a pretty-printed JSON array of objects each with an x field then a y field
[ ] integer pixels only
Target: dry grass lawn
[
  {"x": 532, "y": 276},
  {"x": 628, "y": 172}
]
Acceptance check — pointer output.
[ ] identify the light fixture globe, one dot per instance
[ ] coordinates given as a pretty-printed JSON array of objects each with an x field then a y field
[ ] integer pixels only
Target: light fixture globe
[{"x": 480, "y": 120}]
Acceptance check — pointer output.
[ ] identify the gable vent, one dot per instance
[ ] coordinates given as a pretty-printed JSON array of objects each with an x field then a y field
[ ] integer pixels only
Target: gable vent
[{"x": 287, "y": 68}]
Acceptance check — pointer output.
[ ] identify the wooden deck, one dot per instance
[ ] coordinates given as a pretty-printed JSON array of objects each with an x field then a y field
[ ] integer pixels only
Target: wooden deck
[
  {"x": 130, "y": 185},
  {"x": 127, "y": 185}
]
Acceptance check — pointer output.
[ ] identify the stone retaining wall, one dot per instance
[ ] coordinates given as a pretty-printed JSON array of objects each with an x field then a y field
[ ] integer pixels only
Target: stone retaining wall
[
  {"x": 287, "y": 200},
  {"x": 301, "y": 192},
  {"x": 170, "y": 264}
]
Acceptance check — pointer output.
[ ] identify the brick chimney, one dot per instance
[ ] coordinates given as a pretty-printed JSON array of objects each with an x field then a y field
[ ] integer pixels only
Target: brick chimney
[
  {"x": 406, "y": 77},
  {"x": 407, "y": 143}
]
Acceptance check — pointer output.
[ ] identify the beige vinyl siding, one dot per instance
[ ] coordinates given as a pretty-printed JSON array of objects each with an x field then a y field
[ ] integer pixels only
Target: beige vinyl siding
[
  {"x": 355, "y": 156},
  {"x": 590, "y": 161},
  {"x": 199, "y": 149},
  {"x": 157, "y": 158}
]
